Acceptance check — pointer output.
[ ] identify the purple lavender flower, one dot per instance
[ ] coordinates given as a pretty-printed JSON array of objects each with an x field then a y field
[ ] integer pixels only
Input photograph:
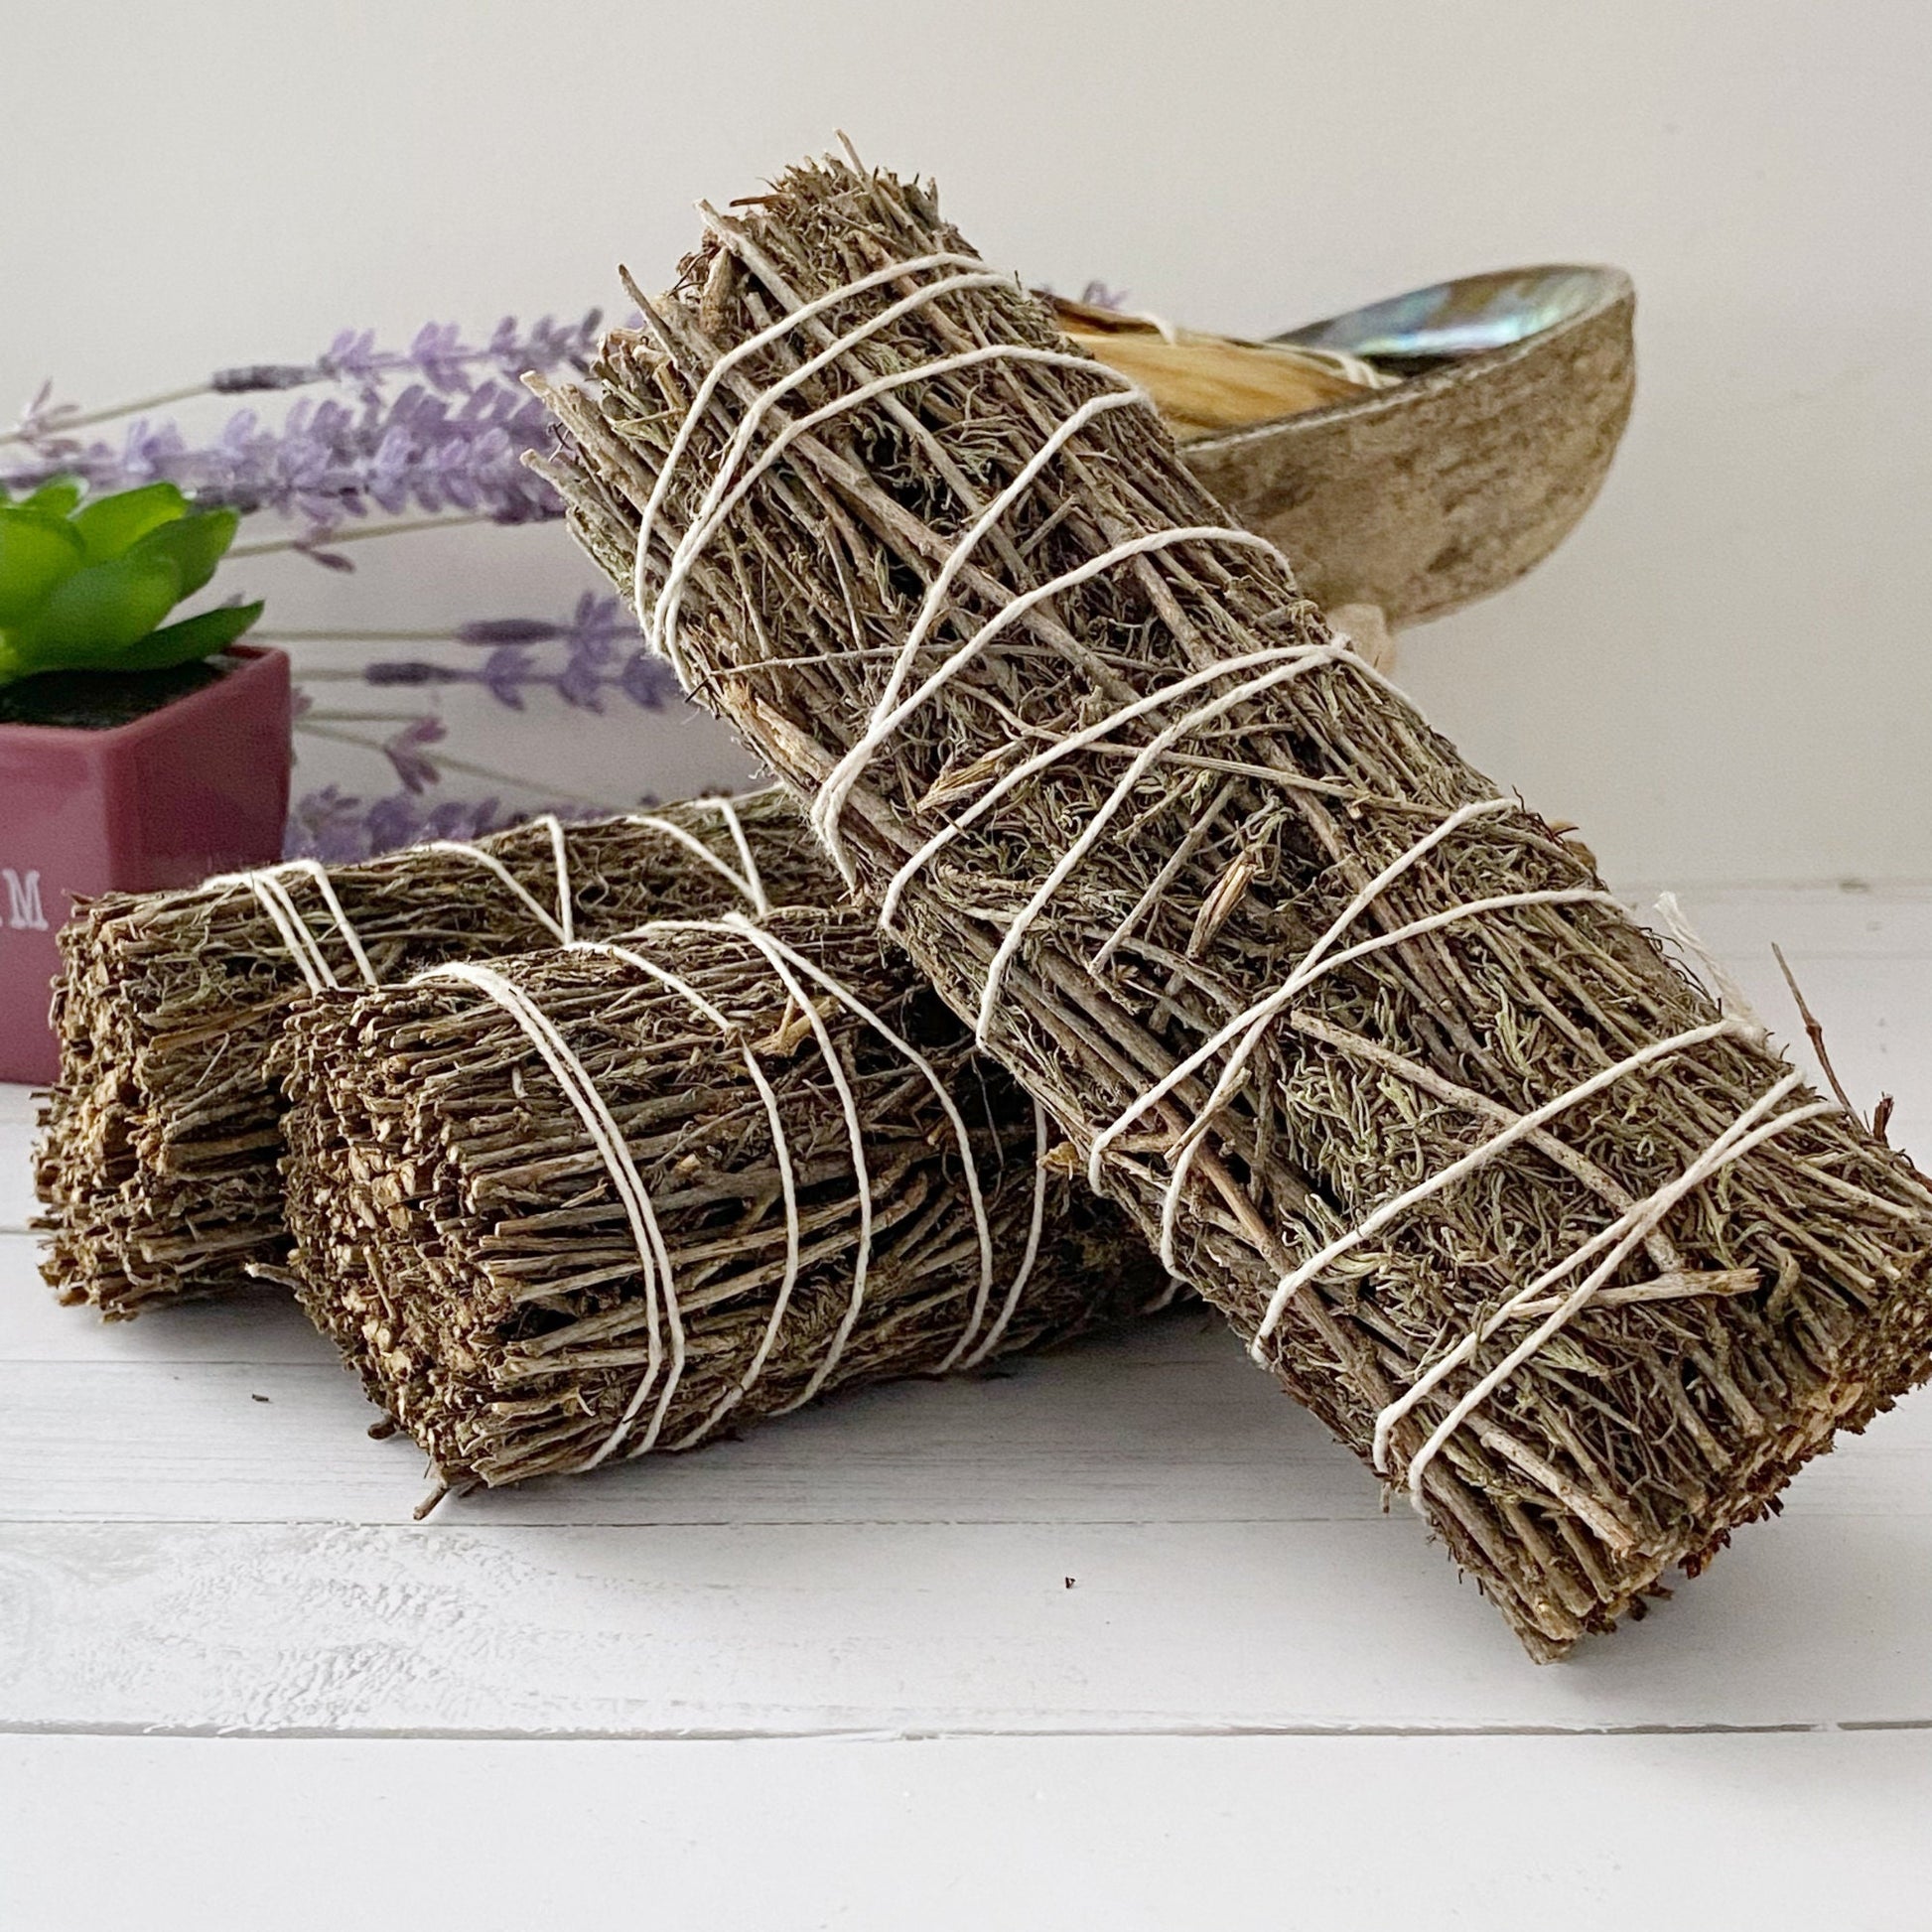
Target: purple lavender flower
[
  {"x": 339, "y": 829},
  {"x": 352, "y": 358},
  {"x": 596, "y": 661},
  {"x": 647, "y": 682},
  {"x": 438, "y": 351},
  {"x": 506, "y": 673},
  {"x": 326, "y": 825},
  {"x": 405, "y": 751},
  {"x": 453, "y": 440},
  {"x": 394, "y": 821},
  {"x": 600, "y": 620},
  {"x": 579, "y": 684}
]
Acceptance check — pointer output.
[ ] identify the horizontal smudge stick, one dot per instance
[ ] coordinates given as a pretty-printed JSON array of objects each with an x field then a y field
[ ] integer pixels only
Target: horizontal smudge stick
[
  {"x": 157, "y": 1162},
  {"x": 585, "y": 1205}
]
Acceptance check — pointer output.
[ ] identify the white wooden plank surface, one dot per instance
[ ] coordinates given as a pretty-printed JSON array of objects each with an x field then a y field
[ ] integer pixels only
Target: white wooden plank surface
[
  {"x": 15, "y": 1178},
  {"x": 1023, "y": 1834},
  {"x": 197, "y": 1537}
]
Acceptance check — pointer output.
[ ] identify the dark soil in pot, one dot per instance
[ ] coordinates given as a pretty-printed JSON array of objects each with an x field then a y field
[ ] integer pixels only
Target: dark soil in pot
[{"x": 101, "y": 700}]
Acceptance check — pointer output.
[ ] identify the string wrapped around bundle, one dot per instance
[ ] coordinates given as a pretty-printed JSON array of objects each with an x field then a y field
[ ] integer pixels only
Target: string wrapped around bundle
[
  {"x": 1535, "y": 1225},
  {"x": 572, "y": 1207},
  {"x": 157, "y": 1166}
]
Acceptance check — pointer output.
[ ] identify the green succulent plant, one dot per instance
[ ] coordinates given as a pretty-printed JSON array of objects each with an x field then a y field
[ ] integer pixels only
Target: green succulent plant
[{"x": 84, "y": 586}]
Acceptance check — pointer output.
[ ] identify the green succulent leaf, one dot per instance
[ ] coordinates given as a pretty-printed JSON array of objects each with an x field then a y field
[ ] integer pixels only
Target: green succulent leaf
[
  {"x": 56, "y": 499},
  {"x": 111, "y": 525},
  {"x": 86, "y": 622},
  {"x": 85, "y": 588},
  {"x": 192, "y": 543},
  {"x": 192, "y": 638},
  {"x": 36, "y": 551}
]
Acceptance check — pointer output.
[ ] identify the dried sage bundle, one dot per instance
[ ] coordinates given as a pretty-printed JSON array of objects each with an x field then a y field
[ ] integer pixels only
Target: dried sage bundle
[
  {"x": 157, "y": 1166},
  {"x": 1502, "y": 1194},
  {"x": 579, "y": 1205}
]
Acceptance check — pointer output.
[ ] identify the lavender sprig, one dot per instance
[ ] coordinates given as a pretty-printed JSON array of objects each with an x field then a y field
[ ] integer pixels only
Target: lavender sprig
[
  {"x": 436, "y": 352},
  {"x": 329, "y": 463},
  {"x": 595, "y": 663},
  {"x": 340, "y": 828}
]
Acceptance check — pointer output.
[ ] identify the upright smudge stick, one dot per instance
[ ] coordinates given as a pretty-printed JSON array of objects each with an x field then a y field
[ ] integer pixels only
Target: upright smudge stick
[{"x": 1363, "y": 1041}]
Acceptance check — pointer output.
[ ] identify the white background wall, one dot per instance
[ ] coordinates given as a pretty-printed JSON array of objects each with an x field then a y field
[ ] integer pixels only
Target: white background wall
[{"x": 1726, "y": 674}]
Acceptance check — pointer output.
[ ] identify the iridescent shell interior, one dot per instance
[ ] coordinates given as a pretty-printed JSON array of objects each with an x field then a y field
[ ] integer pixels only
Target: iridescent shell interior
[{"x": 1452, "y": 320}]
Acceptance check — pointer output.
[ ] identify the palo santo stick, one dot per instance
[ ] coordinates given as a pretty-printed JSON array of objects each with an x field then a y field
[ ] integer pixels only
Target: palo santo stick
[{"x": 1201, "y": 382}]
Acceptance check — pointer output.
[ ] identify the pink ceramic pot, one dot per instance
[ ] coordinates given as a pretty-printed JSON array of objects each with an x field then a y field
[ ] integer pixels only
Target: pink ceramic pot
[{"x": 200, "y": 786}]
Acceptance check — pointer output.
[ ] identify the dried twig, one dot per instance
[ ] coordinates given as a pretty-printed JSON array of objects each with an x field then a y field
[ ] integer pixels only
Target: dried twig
[{"x": 1815, "y": 1033}]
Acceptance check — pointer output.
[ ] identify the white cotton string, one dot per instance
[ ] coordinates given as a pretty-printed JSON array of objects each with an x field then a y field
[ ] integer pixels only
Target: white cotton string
[
  {"x": 720, "y": 494},
  {"x": 887, "y": 713},
  {"x": 1478, "y": 1156},
  {"x": 996, "y": 1333},
  {"x": 1264, "y": 1009},
  {"x": 327, "y": 887},
  {"x": 726, "y": 489},
  {"x": 744, "y": 884},
  {"x": 1642, "y": 1217},
  {"x": 1719, "y": 1154},
  {"x": 781, "y": 1153},
  {"x": 1732, "y": 998},
  {"x": 736, "y": 925},
  {"x": 712, "y": 508},
  {"x": 300, "y": 943},
  {"x": 607, "y": 1138},
  {"x": 303, "y": 946},
  {"x": 1188, "y": 1144},
  {"x": 776, "y": 331},
  {"x": 560, "y": 851},
  {"x": 1254, "y": 1022},
  {"x": 718, "y": 503},
  {"x": 489, "y": 861},
  {"x": 855, "y": 1138},
  {"x": 754, "y": 880},
  {"x": 1143, "y": 761},
  {"x": 830, "y": 802},
  {"x": 1287, "y": 656},
  {"x": 721, "y": 497},
  {"x": 975, "y": 1194},
  {"x": 315, "y": 969}
]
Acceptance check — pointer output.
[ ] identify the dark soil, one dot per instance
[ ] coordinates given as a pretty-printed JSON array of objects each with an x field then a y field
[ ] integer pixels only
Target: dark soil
[{"x": 100, "y": 700}]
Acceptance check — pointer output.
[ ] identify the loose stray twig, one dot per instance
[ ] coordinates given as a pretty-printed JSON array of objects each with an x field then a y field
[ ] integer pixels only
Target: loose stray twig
[{"x": 1815, "y": 1033}]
